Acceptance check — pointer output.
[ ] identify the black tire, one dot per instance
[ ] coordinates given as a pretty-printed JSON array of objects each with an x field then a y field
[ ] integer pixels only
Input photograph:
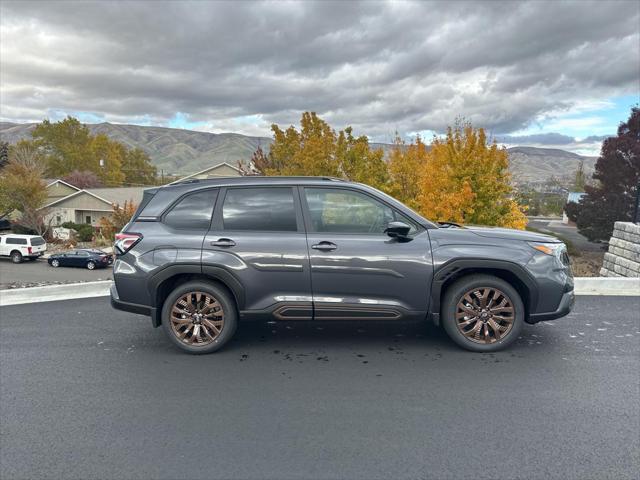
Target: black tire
[
  {"x": 55, "y": 263},
  {"x": 455, "y": 294},
  {"x": 16, "y": 257},
  {"x": 230, "y": 316},
  {"x": 91, "y": 265}
]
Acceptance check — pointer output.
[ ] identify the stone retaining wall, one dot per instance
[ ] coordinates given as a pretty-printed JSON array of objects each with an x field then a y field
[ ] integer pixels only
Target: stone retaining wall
[{"x": 623, "y": 257}]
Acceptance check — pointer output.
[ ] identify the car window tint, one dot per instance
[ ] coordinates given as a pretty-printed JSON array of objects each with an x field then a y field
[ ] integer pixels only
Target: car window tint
[
  {"x": 259, "y": 209},
  {"x": 347, "y": 211},
  {"x": 193, "y": 211},
  {"x": 16, "y": 241},
  {"x": 37, "y": 241},
  {"x": 83, "y": 254}
]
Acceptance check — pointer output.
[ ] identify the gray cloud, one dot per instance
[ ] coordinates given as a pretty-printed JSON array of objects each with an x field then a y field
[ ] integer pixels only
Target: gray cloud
[{"x": 378, "y": 66}]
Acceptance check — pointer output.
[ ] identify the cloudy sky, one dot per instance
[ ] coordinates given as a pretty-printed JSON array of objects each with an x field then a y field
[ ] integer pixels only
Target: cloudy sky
[{"x": 538, "y": 73}]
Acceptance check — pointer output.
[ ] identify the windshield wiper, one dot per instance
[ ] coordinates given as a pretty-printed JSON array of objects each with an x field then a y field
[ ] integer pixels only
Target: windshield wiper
[{"x": 450, "y": 225}]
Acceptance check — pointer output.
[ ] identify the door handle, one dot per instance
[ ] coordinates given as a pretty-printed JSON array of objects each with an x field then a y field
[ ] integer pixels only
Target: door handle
[
  {"x": 223, "y": 242},
  {"x": 324, "y": 246}
]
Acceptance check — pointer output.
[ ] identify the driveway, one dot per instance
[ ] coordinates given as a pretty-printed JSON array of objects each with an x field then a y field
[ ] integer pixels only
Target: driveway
[{"x": 88, "y": 392}]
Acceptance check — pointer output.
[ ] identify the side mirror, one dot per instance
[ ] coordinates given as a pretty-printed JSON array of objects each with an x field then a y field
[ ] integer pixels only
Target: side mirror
[{"x": 399, "y": 230}]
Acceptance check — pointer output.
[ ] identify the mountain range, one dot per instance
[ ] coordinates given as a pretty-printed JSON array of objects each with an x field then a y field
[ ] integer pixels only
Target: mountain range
[{"x": 180, "y": 152}]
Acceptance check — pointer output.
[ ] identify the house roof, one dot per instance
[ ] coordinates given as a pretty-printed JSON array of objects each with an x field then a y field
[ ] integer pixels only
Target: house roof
[
  {"x": 53, "y": 181},
  {"x": 207, "y": 170},
  {"x": 119, "y": 195},
  {"x": 79, "y": 192},
  {"x": 109, "y": 196}
]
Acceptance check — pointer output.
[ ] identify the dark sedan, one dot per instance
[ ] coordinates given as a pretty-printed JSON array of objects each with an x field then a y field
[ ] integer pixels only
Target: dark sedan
[{"x": 81, "y": 258}]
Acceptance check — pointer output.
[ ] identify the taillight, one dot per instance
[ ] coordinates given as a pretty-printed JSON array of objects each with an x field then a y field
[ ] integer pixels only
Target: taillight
[
  {"x": 125, "y": 242},
  {"x": 29, "y": 250}
]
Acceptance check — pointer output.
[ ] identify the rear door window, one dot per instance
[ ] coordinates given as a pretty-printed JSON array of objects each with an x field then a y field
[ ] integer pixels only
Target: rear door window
[
  {"x": 37, "y": 241},
  {"x": 267, "y": 209}
]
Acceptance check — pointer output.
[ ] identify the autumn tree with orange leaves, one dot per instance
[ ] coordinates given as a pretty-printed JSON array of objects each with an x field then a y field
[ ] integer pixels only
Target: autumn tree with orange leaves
[
  {"x": 466, "y": 180},
  {"x": 461, "y": 178}
]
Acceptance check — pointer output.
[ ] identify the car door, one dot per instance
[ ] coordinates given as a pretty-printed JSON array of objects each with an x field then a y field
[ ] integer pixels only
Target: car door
[
  {"x": 357, "y": 271},
  {"x": 257, "y": 237},
  {"x": 71, "y": 259},
  {"x": 82, "y": 258}
]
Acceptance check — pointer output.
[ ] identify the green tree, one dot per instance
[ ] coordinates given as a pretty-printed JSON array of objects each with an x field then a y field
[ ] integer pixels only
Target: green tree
[
  {"x": 66, "y": 145},
  {"x": 22, "y": 188},
  {"x": 4, "y": 153},
  {"x": 69, "y": 146},
  {"x": 617, "y": 179},
  {"x": 137, "y": 168}
]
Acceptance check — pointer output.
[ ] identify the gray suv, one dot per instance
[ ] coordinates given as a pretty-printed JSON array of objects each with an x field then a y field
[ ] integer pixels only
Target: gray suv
[{"x": 198, "y": 256}]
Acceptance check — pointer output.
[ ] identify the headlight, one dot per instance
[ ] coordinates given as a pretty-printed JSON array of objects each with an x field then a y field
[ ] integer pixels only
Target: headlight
[{"x": 557, "y": 250}]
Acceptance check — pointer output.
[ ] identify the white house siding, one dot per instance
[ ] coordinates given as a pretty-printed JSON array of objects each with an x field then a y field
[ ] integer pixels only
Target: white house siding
[{"x": 58, "y": 216}]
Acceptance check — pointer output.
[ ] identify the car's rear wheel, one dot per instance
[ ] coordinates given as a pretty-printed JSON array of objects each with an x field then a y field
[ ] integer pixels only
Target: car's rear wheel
[
  {"x": 199, "y": 317},
  {"x": 16, "y": 257},
  {"x": 482, "y": 313},
  {"x": 91, "y": 265},
  {"x": 55, "y": 263}
]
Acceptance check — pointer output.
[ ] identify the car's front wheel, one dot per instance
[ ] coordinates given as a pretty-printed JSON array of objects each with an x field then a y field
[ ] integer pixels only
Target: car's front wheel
[
  {"x": 55, "y": 263},
  {"x": 199, "y": 317},
  {"x": 482, "y": 313}
]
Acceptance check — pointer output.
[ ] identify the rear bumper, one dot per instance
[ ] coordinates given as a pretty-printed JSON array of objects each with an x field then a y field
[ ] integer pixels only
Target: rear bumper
[
  {"x": 566, "y": 304},
  {"x": 133, "y": 307}
]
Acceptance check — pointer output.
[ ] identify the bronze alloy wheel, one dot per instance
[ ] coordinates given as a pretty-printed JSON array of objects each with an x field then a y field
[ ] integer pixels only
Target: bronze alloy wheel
[
  {"x": 485, "y": 315},
  {"x": 197, "y": 319}
]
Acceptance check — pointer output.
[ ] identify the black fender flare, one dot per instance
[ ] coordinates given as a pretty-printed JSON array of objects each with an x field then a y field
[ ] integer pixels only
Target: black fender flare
[
  {"x": 215, "y": 273},
  {"x": 455, "y": 267}
]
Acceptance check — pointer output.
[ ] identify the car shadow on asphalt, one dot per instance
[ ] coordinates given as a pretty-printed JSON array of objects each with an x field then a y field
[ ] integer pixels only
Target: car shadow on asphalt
[{"x": 340, "y": 334}]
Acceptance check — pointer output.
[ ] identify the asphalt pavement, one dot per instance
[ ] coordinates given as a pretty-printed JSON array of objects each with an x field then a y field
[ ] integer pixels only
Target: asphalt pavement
[
  {"x": 33, "y": 272},
  {"x": 88, "y": 392}
]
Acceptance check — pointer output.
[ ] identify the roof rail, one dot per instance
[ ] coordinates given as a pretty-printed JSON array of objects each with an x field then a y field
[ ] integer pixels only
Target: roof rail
[
  {"x": 185, "y": 182},
  {"x": 274, "y": 177}
]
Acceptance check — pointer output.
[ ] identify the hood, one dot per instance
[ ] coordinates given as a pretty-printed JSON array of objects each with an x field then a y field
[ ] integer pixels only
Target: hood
[{"x": 512, "y": 234}]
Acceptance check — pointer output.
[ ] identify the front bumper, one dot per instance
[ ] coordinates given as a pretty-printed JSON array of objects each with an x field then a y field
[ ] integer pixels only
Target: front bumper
[{"x": 566, "y": 304}]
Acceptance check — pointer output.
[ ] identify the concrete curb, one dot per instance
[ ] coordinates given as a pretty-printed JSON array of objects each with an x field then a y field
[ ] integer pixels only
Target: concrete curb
[
  {"x": 618, "y": 286},
  {"x": 53, "y": 293},
  {"x": 621, "y": 286}
]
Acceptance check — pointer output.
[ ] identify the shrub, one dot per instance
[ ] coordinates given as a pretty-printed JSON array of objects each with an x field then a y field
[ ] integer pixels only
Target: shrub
[{"x": 85, "y": 231}]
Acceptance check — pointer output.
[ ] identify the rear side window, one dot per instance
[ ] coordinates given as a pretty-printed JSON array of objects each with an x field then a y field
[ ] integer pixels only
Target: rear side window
[
  {"x": 193, "y": 212},
  {"x": 259, "y": 209},
  {"x": 37, "y": 241},
  {"x": 16, "y": 241}
]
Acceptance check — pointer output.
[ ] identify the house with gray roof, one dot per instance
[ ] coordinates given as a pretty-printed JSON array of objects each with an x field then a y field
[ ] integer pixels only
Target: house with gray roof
[{"x": 86, "y": 205}]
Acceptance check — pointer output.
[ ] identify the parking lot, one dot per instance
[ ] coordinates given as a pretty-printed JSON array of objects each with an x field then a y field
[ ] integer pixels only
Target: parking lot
[
  {"x": 89, "y": 392},
  {"x": 38, "y": 271}
]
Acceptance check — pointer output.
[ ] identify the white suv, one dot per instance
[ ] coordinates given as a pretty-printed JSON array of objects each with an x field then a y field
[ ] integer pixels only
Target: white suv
[{"x": 19, "y": 247}]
